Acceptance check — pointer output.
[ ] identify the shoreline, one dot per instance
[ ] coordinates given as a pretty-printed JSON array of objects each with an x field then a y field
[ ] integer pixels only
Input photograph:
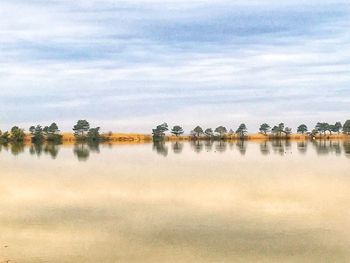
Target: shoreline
[{"x": 124, "y": 138}]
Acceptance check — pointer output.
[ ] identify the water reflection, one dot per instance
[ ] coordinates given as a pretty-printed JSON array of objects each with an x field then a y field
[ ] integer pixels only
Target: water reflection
[
  {"x": 324, "y": 147},
  {"x": 280, "y": 147},
  {"x": 160, "y": 148},
  {"x": 17, "y": 148},
  {"x": 197, "y": 146},
  {"x": 177, "y": 147},
  {"x": 346, "y": 146},
  {"x": 212, "y": 206},
  {"x": 208, "y": 145},
  {"x": 94, "y": 147},
  {"x": 242, "y": 146},
  {"x": 4, "y": 147},
  {"x": 265, "y": 148},
  {"x": 81, "y": 151},
  {"x": 50, "y": 149},
  {"x": 302, "y": 147},
  {"x": 221, "y": 146}
]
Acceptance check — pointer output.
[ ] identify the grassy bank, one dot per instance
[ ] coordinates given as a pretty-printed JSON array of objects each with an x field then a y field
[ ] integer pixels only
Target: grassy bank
[
  {"x": 69, "y": 138},
  {"x": 114, "y": 137}
]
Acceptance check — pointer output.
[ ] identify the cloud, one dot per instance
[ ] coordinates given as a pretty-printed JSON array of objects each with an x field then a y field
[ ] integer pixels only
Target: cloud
[{"x": 132, "y": 64}]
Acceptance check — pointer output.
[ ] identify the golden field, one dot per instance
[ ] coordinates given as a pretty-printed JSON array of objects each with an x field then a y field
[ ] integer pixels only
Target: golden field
[
  {"x": 114, "y": 137},
  {"x": 68, "y": 138}
]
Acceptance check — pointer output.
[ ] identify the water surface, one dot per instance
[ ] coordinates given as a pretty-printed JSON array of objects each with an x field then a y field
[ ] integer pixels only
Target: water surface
[{"x": 176, "y": 202}]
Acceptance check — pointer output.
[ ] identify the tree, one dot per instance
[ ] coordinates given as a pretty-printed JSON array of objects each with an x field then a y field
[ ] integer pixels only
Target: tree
[
  {"x": 242, "y": 130},
  {"x": 53, "y": 128},
  {"x": 288, "y": 130},
  {"x": 5, "y": 137},
  {"x": 274, "y": 130},
  {"x": 159, "y": 131},
  {"x": 80, "y": 128},
  {"x": 46, "y": 130},
  {"x": 346, "y": 127},
  {"x": 17, "y": 134},
  {"x": 198, "y": 131},
  {"x": 264, "y": 128},
  {"x": 52, "y": 133},
  {"x": 314, "y": 132},
  {"x": 209, "y": 132},
  {"x": 322, "y": 127},
  {"x": 38, "y": 136},
  {"x": 32, "y": 130},
  {"x": 318, "y": 127},
  {"x": 221, "y": 130},
  {"x": 280, "y": 128},
  {"x": 336, "y": 127},
  {"x": 94, "y": 134},
  {"x": 332, "y": 128},
  {"x": 177, "y": 130},
  {"x": 302, "y": 129},
  {"x": 81, "y": 151}
]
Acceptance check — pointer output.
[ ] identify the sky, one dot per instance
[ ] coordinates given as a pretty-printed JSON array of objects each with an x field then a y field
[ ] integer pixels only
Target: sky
[{"x": 127, "y": 66}]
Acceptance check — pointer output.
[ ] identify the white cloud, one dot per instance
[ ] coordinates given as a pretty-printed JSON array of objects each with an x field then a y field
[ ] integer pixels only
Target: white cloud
[{"x": 178, "y": 62}]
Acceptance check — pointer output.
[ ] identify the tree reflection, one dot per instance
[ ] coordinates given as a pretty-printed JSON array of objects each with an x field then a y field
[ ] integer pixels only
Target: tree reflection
[
  {"x": 197, "y": 145},
  {"x": 47, "y": 148},
  {"x": 242, "y": 146},
  {"x": 51, "y": 149},
  {"x": 278, "y": 146},
  {"x": 265, "y": 148},
  {"x": 81, "y": 151},
  {"x": 177, "y": 147},
  {"x": 17, "y": 148},
  {"x": 231, "y": 144},
  {"x": 208, "y": 144},
  {"x": 321, "y": 146},
  {"x": 288, "y": 145},
  {"x": 94, "y": 146},
  {"x": 324, "y": 147},
  {"x": 36, "y": 149},
  {"x": 221, "y": 146},
  {"x": 160, "y": 148},
  {"x": 346, "y": 146},
  {"x": 302, "y": 147},
  {"x": 4, "y": 146},
  {"x": 336, "y": 147}
]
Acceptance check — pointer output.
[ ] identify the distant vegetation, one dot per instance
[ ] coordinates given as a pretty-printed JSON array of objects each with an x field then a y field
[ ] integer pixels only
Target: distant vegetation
[
  {"x": 39, "y": 134},
  {"x": 279, "y": 131},
  {"x": 84, "y": 133},
  {"x": 48, "y": 133},
  {"x": 159, "y": 132},
  {"x": 177, "y": 130}
]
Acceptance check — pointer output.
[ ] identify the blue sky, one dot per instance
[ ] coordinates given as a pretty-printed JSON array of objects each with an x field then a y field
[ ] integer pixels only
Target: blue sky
[{"x": 128, "y": 65}]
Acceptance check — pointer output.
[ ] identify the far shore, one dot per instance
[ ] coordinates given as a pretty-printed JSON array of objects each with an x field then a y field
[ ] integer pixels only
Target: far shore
[{"x": 69, "y": 138}]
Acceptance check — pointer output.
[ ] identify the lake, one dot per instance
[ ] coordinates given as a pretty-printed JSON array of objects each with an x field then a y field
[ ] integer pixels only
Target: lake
[{"x": 277, "y": 201}]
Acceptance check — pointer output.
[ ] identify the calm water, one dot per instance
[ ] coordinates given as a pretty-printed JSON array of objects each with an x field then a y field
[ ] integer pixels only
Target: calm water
[{"x": 185, "y": 202}]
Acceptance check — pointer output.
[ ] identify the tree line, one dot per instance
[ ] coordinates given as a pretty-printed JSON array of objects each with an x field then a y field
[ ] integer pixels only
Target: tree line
[
  {"x": 39, "y": 134},
  {"x": 276, "y": 131},
  {"x": 84, "y": 133}
]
